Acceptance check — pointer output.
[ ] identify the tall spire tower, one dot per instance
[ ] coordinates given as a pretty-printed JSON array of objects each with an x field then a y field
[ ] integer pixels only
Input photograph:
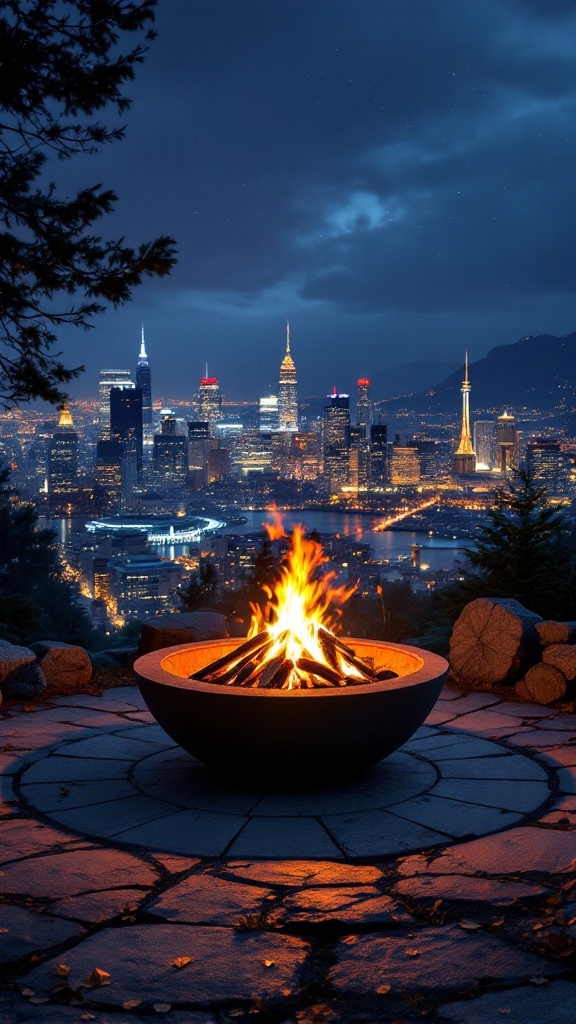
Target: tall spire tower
[
  {"x": 464, "y": 459},
  {"x": 287, "y": 390},
  {"x": 143, "y": 381}
]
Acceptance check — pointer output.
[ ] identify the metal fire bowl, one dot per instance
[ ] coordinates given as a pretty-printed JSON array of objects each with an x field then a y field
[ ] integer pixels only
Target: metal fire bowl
[{"x": 292, "y": 733}]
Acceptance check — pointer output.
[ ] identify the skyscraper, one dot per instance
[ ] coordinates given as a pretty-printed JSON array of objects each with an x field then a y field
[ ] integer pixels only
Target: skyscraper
[
  {"x": 287, "y": 390},
  {"x": 464, "y": 460},
  {"x": 506, "y": 443},
  {"x": 198, "y": 435},
  {"x": 337, "y": 440},
  {"x": 484, "y": 443},
  {"x": 378, "y": 456},
  {"x": 363, "y": 407},
  {"x": 110, "y": 379},
  {"x": 126, "y": 427},
  {"x": 545, "y": 464},
  {"x": 63, "y": 457},
  {"x": 268, "y": 414},
  {"x": 210, "y": 401},
  {"x": 144, "y": 382}
]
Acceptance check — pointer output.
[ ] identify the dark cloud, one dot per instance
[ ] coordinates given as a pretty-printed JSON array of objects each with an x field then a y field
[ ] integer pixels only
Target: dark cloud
[{"x": 361, "y": 167}]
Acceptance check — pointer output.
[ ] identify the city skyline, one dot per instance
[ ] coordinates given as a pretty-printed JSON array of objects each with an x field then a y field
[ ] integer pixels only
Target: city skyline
[{"x": 323, "y": 164}]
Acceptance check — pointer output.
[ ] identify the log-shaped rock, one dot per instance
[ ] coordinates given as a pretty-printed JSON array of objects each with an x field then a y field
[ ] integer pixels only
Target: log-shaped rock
[
  {"x": 562, "y": 657},
  {"x": 551, "y": 632},
  {"x": 181, "y": 628},
  {"x": 494, "y": 641},
  {"x": 545, "y": 683}
]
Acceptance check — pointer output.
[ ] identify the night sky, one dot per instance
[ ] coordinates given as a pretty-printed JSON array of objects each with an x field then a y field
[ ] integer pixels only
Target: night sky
[{"x": 396, "y": 177}]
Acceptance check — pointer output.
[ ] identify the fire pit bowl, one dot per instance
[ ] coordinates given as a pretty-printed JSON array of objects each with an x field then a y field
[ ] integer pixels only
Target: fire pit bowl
[{"x": 291, "y": 733}]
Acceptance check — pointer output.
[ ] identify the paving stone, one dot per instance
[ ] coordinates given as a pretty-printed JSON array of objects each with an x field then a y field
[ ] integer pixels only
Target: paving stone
[
  {"x": 352, "y": 904},
  {"x": 528, "y": 1005},
  {"x": 225, "y": 965},
  {"x": 486, "y": 721},
  {"x": 28, "y": 735},
  {"x": 305, "y": 872},
  {"x": 567, "y": 780},
  {"x": 148, "y": 734},
  {"x": 19, "y": 1011},
  {"x": 564, "y": 809},
  {"x": 284, "y": 837},
  {"x": 562, "y": 755},
  {"x": 24, "y": 931},
  {"x": 462, "y": 887},
  {"x": 564, "y": 723},
  {"x": 538, "y": 738},
  {"x": 107, "y": 702},
  {"x": 516, "y": 796},
  {"x": 172, "y": 772},
  {"x": 75, "y": 872},
  {"x": 175, "y": 865},
  {"x": 455, "y": 817},
  {"x": 440, "y": 715},
  {"x": 474, "y": 701},
  {"x": 115, "y": 817},
  {"x": 512, "y": 767},
  {"x": 447, "y": 957},
  {"x": 106, "y": 746},
  {"x": 524, "y": 710},
  {"x": 193, "y": 832},
  {"x": 69, "y": 769},
  {"x": 206, "y": 899},
  {"x": 97, "y": 907},
  {"x": 52, "y": 796},
  {"x": 519, "y": 850},
  {"x": 22, "y": 837},
  {"x": 455, "y": 745},
  {"x": 378, "y": 833},
  {"x": 10, "y": 763}
]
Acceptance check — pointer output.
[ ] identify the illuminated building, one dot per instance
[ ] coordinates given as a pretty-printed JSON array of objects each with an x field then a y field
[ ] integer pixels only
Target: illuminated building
[
  {"x": 198, "y": 435},
  {"x": 363, "y": 407},
  {"x": 268, "y": 414},
  {"x": 464, "y": 459},
  {"x": 218, "y": 461},
  {"x": 209, "y": 402},
  {"x": 170, "y": 460},
  {"x": 143, "y": 585},
  {"x": 404, "y": 470},
  {"x": 126, "y": 427},
  {"x": 110, "y": 379},
  {"x": 337, "y": 440},
  {"x": 305, "y": 456},
  {"x": 108, "y": 476},
  {"x": 287, "y": 390},
  {"x": 143, "y": 381},
  {"x": 359, "y": 458},
  {"x": 484, "y": 444},
  {"x": 378, "y": 456},
  {"x": 506, "y": 439},
  {"x": 428, "y": 452},
  {"x": 63, "y": 457},
  {"x": 545, "y": 464}
]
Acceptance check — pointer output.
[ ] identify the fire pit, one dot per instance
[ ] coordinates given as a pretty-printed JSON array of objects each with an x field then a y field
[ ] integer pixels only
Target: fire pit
[{"x": 294, "y": 699}]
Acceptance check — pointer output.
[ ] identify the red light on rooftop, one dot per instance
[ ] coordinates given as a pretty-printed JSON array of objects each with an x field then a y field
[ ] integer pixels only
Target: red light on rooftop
[
  {"x": 208, "y": 380},
  {"x": 363, "y": 382}
]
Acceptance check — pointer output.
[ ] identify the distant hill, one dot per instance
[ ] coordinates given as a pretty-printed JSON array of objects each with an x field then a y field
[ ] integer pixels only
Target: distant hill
[
  {"x": 537, "y": 372},
  {"x": 408, "y": 378}
]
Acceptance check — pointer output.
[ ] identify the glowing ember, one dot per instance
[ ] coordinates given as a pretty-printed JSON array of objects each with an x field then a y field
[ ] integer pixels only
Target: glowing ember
[{"x": 291, "y": 642}]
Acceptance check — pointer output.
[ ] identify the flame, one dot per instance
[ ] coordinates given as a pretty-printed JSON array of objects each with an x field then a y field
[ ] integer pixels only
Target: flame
[{"x": 303, "y": 601}]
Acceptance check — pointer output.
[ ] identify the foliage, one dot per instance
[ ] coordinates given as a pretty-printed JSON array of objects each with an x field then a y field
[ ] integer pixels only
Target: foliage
[
  {"x": 61, "y": 62},
  {"x": 202, "y": 588},
  {"x": 35, "y": 602},
  {"x": 525, "y": 552}
]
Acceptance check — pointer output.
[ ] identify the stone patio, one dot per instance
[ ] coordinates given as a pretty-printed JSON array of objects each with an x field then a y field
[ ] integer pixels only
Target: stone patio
[{"x": 441, "y": 885}]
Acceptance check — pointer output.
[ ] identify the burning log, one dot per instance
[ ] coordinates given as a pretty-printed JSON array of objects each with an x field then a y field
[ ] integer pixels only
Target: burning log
[{"x": 250, "y": 647}]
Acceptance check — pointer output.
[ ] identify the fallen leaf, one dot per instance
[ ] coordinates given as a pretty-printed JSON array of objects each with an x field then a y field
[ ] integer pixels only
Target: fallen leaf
[
  {"x": 62, "y": 971},
  {"x": 181, "y": 961},
  {"x": 412, "y": 952},
  {"x": 537, "y": 980},
  {"x": 96, "y": 979},
  {"x": 28, "y": 992},
  {"x": 36, "y": 1000},
  {"x": 469, "y": 925},
  {"x": 286, "y": 992},
  {"x": 162, "y": 1007},
  {"x": 131, "y": 1004},
  {"x": 268, "y": 963},
  {"x": 383, "y": 990},
  {"x": 4, "y": 931},
  {"x": 497, "y": 922}
]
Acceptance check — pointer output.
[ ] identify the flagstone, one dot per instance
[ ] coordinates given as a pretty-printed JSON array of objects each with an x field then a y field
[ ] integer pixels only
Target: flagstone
[
  {"x": 194, "y": 832},
  {"x": 69, "y": 769},
  {"x": 432, "y": 958},
  {"x": 52, "y": 796},
  {"x": 538, "y": 738},
  {"x": 305, "y": 872},
  {"x": 113, "y": 817},
  {"x": 516, "y": 796},
  {"x": 24, "y": 931},
  {"x": 224, "y": 965},
  {"x": 284, "y": 837},
  {"x": 75, "y": 872},
  {"x": 525, "y": 1005},
  {"x": 484, "y": 720},
  {"x": 567, "y": 780},
  {"x": 516, "y": 766},
  {"x": 455, "y": 817},
  {"x": 23, "y": 837},
  {"x": 564, "y": 810},
  {"x": 350, "y": 905},
  {"x": 377, "y": 833},
  {"x": 519, "y": 850},
  {"x": 206, "y": 899},
  {"x": 107, "y": 745},
  {"x": 463, "y": 887}
]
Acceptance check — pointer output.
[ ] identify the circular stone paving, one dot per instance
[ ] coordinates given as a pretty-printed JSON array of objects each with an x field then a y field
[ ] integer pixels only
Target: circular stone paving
[{"x": 135, "y": 786}]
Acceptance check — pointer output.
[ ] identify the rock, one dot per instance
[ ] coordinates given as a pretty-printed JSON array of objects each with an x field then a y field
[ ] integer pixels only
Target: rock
[
  {"x": 12, "y": 658},
  {"x": 117, "y": 660},
  {"x": 562, "y": 657},
  {"x": 24, "y": 683},
  {"x": 545, "y": 683},
  {"x": 182, "y": 628},
  {"x": 64, "y": 665},
  {"x": 551, "y": 632},
  {"x": 494, "y": 641}
]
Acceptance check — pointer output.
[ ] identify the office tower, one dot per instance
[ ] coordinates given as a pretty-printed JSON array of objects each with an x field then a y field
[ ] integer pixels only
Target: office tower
[
  {"x": 484, "y": 444},
  {"x": 363, "y": 407},
  {"x": 337, "y": 440},
  {"x": 404, "y": 468},
  {"x": 63, "y": 456},
  {"x": 268, "y": 414},
  {"x": 218, "y": 461},
  {"x": 144, "y": 382},
  {"x": 167, "y": 422},
  {"x": 209, "y": 402},
  {"x": 198, "y": 435},
  {"x": 110, "y": 379},
  {"x": 170, "y": 460},
  {"x": 428, "y": 452},
  {"x": 287, "y": 390},
  {"x": 108, "y": 476},
  {"x": 126, "y": 427},
  {"x": 506, "y": 438},
  {"x": 545, "y": 464},
  {"x": 464, "y": 459},
  {"x": 359, "y": 458},
  {"x": 378, "y": 456}
]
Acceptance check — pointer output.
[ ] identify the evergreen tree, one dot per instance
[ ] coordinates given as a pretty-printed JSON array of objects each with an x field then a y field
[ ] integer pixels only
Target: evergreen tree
[
  {"x": 202, "y": 588},
  {"x": 61, "y": 61}
]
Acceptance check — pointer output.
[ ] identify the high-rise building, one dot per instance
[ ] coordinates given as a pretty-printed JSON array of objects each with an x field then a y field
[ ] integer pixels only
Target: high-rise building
[
  {"x": 545, "y": 464},
  {"x": 359, "y": 458},
  {"x": 167, "y": 422},
  {"x": 378, "y": 456},
  {"x": 144, "y": 382},
  {"x": 464, "y": 459},
  {"x": 506, "y": 438},
  {"x": 63, "y": 457},
  {"x": 209, "y": 402},
  {"x": 428, "y": 452},
  {"x": 126, "y": 427},
  {"x": 404, "y": 468},
  {"x": 288, "y": 390},
  {"x": 198, "y": 435},
  {"x": 363, "y": 406},
  {"x": 337, "y": 440},
  {"x": 269, "y": 420},
  {"x": 108, "y": 476},
  {"x": 484, "y": 444},
  {"x": 110, "y": 379}
]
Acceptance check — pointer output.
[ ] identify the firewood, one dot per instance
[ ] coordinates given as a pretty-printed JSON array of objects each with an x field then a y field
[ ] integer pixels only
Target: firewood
[
  {"x": 494, "y": 641},
  {"x": 249, "y": 646},
  {"x": 386, "y": 673},
  {"x": 238, "y": 664},
  {"x": 551, "y": 632},
  {"x": 562, "y": 657},
  {"x": 316, "y": 668},
  {"x": 545, "y": 683}
]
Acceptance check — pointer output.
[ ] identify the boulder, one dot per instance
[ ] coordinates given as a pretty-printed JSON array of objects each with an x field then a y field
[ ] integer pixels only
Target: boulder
[
  {"x": 551, "y": 632},
  {"x": 116, "y": 660},
  {"x": 181, "y": 628},
  {"x": 12, "y": 658},
  {"x": 24, "y": 683},
  {"x": 562, "y": 657},
  {"x": 63, "y": 665},
  {"x": 494, "y": 641}
]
